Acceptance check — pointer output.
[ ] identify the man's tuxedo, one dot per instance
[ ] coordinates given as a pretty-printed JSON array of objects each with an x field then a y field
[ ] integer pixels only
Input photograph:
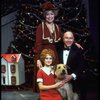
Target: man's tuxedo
[
  {"x": 75, "y": 59},
  {"x": 75, "y": 62}
]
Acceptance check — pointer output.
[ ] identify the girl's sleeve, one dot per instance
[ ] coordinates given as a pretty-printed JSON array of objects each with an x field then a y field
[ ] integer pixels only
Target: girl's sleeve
[{"x": 39, "y": 76}]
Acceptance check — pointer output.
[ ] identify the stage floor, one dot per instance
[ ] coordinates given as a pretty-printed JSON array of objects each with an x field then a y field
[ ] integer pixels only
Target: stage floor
[
  {"x": 30, "y": 95},
  {"x": 19, "y": 95}
]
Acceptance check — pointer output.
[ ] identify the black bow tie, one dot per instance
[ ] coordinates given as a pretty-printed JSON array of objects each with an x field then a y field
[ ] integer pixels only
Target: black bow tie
[{"x": 66, "y": 48}]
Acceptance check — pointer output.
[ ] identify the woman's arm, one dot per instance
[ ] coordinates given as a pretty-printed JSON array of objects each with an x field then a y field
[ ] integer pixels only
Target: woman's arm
[
  {"x": 38, "y": 45},
  {"x": 39, "y": 64},
  {"x": 38, "y": 41}
]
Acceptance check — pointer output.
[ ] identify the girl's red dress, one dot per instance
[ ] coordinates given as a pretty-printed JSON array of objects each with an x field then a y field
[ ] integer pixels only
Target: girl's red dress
[{"x": 48, "y": 79}]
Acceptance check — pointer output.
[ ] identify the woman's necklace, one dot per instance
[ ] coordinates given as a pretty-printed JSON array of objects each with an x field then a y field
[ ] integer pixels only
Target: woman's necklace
[{"x": 51, "y": 28}]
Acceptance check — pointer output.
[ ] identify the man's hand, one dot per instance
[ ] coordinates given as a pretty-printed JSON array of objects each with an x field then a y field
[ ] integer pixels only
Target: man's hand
[
  {"x": 78, "y": 45},
  {"x": 68, "y": 78}
]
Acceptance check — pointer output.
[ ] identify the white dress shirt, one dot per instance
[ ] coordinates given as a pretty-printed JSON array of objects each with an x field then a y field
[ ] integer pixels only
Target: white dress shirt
[
  {"x": 65, "y": 59},
  {"x": 65, "y": 56}
]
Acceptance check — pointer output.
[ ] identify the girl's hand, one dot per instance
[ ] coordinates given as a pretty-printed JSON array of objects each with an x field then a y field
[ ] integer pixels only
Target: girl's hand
[
  {"x": 59, "y": 84},
  {"x": 39, "y": 64}
]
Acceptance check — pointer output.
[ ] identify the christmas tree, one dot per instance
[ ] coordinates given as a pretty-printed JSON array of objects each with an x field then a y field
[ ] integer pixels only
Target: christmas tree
[{"x": 71, "y": 15}]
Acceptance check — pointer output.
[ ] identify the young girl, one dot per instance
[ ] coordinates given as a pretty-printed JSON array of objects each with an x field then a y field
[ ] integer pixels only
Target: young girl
[{"x": 45, "y": 77}]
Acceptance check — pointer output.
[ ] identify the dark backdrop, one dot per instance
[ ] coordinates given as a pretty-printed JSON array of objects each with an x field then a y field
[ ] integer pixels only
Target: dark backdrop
[{"x": 94, "y": 24}]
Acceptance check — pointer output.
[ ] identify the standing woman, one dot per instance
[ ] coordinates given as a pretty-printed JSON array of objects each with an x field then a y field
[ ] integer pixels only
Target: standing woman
[{"x": 47, "y": 35}]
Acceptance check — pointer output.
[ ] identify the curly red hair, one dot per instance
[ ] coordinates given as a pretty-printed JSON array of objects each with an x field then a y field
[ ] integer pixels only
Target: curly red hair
[{"x": 46, "y": 52}]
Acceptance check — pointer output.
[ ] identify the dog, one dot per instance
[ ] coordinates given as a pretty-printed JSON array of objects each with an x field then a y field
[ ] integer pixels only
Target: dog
[{"x": 66, "y": 90}]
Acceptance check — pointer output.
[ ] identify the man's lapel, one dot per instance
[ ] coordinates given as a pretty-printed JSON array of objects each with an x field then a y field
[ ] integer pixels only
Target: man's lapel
[{"x": 71, "y": 55}]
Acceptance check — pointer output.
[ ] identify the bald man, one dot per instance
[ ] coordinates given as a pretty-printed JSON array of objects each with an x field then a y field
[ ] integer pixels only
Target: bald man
[{"x": 72, "y": 56}]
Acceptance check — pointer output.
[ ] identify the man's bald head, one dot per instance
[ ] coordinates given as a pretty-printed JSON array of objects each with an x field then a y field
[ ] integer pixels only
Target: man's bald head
[{"x": 68, "y": 38}]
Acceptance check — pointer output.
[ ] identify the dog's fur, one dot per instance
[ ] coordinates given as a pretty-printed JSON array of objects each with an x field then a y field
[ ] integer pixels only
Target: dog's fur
[{"x": 66, "y": 90}]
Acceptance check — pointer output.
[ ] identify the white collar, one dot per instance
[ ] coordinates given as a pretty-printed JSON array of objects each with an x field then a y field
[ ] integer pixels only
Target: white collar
[{"x": 48, "y": 70}]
